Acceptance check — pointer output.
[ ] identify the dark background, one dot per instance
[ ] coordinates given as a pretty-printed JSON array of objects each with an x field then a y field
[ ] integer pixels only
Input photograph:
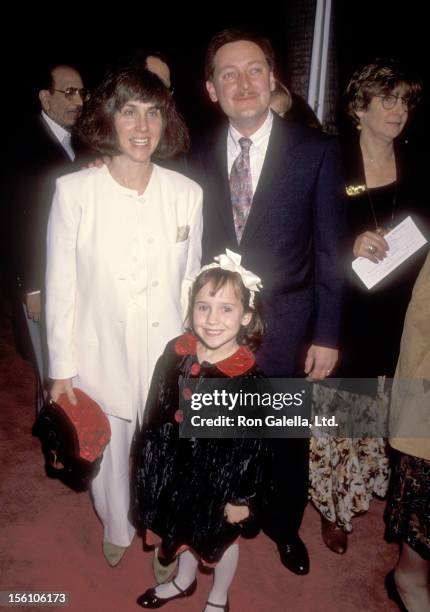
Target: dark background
[{"x": 93, "y": 37}]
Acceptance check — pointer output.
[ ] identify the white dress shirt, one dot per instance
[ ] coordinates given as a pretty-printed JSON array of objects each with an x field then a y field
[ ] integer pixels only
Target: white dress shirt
[
  {"x": 62, "y": 135},
  {"x": 257, "y": 152}
]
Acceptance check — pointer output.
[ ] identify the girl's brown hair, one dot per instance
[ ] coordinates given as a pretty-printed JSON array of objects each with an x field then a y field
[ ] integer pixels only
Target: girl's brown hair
[{"x": 251, "y": 335}]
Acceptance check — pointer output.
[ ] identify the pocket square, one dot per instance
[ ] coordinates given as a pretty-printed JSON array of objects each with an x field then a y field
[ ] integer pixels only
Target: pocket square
[{"x": 182, "y": 233}]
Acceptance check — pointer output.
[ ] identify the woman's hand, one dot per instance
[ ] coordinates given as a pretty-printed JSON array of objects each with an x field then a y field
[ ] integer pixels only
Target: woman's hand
[
  {"x": 235, "y": 514},
  {"x": 63, "y": 386},
  {"x": 98, "y": 162},
  {"x": 370, "y": 245}
]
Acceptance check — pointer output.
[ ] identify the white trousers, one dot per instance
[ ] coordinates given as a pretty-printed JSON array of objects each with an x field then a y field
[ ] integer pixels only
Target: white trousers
[{"x": 110, "y": 489}]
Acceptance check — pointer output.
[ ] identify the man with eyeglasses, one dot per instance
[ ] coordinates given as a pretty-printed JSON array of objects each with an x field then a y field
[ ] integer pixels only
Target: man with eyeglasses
[
  {"x": 62, "y": 101},
  {"x": 43, "y": 153}
]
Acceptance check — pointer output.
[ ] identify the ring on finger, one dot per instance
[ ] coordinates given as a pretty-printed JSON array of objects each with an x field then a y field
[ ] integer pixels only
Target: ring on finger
[{"x": 371, "y": 249}]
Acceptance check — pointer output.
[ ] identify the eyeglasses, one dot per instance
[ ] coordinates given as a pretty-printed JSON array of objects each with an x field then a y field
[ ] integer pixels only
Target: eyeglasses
[
  {"x": 390, "y": 101},
  {"x": 71, "y": 92}
]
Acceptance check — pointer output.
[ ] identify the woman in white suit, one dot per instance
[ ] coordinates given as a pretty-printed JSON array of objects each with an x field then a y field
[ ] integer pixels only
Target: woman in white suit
[{"x": 122, "y": 239}]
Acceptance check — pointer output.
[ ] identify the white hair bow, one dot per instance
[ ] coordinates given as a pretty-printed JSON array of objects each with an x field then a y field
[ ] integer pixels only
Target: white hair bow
[{"x": 231, "y": 261}]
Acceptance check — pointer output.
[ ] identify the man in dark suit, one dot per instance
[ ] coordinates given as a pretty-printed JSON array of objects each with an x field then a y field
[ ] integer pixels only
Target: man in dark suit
[
  {"x": 272, "y": 192},
  {"x": 49, "y": 153}
]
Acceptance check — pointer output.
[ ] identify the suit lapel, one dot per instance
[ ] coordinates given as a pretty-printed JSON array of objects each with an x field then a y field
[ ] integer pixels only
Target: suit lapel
[
  {"x": 277, "y": 168},
  {"x": 53, "y": 141}
]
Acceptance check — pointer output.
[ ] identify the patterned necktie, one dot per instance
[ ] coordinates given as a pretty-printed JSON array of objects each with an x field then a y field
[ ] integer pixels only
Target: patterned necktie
[{"x": 241, "y": 187}]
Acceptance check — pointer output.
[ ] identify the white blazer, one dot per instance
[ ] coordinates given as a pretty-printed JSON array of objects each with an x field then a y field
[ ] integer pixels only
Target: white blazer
[{"x": 89, "y": 288}]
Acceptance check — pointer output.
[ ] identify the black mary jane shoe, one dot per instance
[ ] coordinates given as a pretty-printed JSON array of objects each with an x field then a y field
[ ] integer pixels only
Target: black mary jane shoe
[
  {"x": 149, "y": 599},
  {"x": 225, "y": 607},
  {"x": 392, "y": 592}
]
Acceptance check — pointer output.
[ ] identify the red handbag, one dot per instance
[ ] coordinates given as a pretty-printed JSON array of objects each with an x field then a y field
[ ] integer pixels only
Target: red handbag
[
  {"x": 90, "y": 422},
  {"x": 73, "y": 438}
]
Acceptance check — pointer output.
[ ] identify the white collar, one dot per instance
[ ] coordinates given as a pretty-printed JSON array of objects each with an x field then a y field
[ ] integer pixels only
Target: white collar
[
  {"x": 59, "y": 132},
  {"x": 257, "y": 137}
]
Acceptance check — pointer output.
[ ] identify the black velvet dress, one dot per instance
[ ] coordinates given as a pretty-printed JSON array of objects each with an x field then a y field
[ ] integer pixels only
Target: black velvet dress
[
  {"x": 373, "y": 319},
  {"x": 180, "y": 486}
]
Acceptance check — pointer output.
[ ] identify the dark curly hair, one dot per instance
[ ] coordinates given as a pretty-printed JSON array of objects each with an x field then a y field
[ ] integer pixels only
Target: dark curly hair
[
  {"x": 96, "y": 124},
  {"x": 231, "y": 35},
  {"x": 380, "y": 77},
  {"x": 251, "y": 334}
]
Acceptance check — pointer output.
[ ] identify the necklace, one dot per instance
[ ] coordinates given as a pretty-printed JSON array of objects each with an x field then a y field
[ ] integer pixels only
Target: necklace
[
  {"x": 378, "y": 229},
  {"x": 386, "y": 159}
]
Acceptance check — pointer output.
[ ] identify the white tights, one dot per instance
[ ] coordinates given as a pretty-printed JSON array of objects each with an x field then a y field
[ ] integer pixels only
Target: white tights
[{"x": 223, "y": 576}]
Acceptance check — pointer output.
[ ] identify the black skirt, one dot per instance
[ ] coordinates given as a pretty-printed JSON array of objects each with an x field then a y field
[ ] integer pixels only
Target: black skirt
[{"x": 407, "y": 514}]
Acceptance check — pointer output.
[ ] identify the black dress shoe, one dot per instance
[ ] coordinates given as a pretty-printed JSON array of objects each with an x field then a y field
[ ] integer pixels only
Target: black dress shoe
[
  {"x": 393, "y": 593},
  {"x": 294, "y": 556},
  {"x": 149, "y": 599}
]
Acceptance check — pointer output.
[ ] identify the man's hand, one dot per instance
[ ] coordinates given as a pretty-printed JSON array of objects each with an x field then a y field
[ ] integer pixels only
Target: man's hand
[
  {"x": 33, "y": 306},
  {"x": 320, "y": 361},
  {"x": 99, "y": 162},
  {"x": 63, "y": 386},
  {"x": 235, "y": 514}
]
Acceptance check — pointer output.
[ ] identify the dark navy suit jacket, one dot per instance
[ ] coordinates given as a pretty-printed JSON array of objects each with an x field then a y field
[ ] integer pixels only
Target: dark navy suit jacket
[
  {"x": 292, "y": 238},
  {"x": 38, "y": 165}
]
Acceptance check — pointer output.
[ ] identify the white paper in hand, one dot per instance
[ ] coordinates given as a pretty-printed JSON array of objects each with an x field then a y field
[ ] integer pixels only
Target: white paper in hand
[{"x": 404, "y": 240}]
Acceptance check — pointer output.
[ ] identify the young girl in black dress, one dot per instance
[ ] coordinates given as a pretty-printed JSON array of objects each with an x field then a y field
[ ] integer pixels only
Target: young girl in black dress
[{"x": 195, "y": 494}]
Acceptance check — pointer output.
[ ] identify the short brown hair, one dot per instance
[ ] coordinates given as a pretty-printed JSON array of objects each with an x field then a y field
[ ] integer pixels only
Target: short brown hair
[
  {"x": 380, "y": 77},
  {"x": 96, "y": 123},
  {"x": 231, "y": 35},
  {"x": 250, "y": 334}
]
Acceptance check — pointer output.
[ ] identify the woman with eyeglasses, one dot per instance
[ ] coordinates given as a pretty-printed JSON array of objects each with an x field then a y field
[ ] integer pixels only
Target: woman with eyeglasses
[
  {"x": 382, "y": 189},
  {"x": 122, "y": 240}
]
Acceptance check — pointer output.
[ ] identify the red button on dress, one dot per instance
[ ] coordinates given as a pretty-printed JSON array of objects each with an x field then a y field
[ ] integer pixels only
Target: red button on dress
[
  {"x": 195, "y": 369},
  {"x": 187, "y": 393},
  {"x": 179, "y": 416}
]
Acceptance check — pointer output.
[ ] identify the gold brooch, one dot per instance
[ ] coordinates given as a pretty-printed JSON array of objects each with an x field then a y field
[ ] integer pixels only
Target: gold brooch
[{"x": 355, "y": 190}]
